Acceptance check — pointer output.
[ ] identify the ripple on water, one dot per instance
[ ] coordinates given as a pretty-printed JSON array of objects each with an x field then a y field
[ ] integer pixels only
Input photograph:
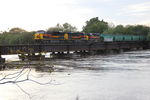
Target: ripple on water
[{"x": 123, "y": 76}]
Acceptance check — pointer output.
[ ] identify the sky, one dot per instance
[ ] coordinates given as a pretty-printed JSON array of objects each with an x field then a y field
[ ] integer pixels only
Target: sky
[{"x": 33, "y": 15}]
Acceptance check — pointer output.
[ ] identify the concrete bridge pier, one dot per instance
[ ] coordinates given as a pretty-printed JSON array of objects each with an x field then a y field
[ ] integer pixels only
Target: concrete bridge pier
[
  {"x": 76, "y": 52},
  {"x": 50, "y": 55},
  {"x": 140, "y": 48},
  {"x": 121, "y": 50},
  {"x": 2, "y": 60},
  {"x": 133, "y": 49},
  {"x": 94, "y": 52},
  {"x": 60, "y": 55},
  {"x": 2, "y": 63},
  {"x": 82, "y": 53},
  {"x": 31, "y": 56},
  {"x": 116, "y": 51},
  {"x": 68, "y": 52},
  {"x": 108, "y": 51},
  {"x": 53, "y": 53},
  {"x": 126, "y": 50},
  {"x": 85, "y": 53},
  {"x": 101, "y": 52}
]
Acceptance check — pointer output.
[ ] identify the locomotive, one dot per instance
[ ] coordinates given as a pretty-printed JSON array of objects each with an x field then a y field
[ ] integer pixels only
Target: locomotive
[
  {"x": 61, "y": 37},
  {"x": 69, "y": 37}
]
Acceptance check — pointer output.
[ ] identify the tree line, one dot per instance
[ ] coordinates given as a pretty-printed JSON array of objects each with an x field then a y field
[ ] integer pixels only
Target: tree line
[
  {"x": 100, "y": 26},
  {"x": 16, "y": 36},
  {"x": 94, "y": 25}
]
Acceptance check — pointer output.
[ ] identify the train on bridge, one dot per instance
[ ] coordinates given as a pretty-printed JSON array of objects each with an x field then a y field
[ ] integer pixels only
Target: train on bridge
[
  {"x": 62, "y": 43},
  {"x": 61, "y": 37}
]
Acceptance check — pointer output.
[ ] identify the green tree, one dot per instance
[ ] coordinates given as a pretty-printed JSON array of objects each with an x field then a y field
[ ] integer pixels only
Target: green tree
[
  {"x": 95, "y": 25},
  {"x": 137, "y": 29},
  {"x": 148, "y": 36},
  {"x": 17, "y": 30},
  {"x": 109, "y": 31},
  {"x": 119, "y": 29},
  {"x": 17, "y": 38},
  {"x": 58, "y": 27},
  {"x": 129, "y": 30},
  {"x": 141, "y": 30},
  {"x": 69, "y": 28},
  {"x": 66, "y": 27}
]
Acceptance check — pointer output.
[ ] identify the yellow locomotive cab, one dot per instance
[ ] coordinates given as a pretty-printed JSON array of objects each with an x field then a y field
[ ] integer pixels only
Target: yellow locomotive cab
[
  {"x": 87, "y": 37},
  {"x": 38, "y": 36},
  {"x": 66, "y": 37}
]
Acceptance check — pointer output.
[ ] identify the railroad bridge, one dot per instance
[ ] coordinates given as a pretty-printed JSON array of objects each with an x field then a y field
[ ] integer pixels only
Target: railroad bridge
[{"x": 68, "y": 47}]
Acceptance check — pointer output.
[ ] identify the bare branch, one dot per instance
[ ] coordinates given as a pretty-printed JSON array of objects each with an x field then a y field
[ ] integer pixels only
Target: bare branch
[{"x": 16, "y": 78}]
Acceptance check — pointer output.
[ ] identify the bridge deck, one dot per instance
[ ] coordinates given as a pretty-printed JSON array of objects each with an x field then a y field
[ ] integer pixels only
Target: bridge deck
[{"x": 33, "y": 48}]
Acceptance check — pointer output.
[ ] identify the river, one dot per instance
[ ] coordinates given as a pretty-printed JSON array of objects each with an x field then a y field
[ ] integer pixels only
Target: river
[{"x": 124, "y": 76}]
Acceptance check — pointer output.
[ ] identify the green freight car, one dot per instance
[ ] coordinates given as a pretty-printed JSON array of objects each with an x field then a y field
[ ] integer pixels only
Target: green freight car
[
  {"x": 117, "y": 38},
  {"x": 106, "y": 37}
]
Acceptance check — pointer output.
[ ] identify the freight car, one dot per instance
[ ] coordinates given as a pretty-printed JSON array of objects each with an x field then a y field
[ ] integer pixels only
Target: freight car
[{"x": 117, "y": 38}]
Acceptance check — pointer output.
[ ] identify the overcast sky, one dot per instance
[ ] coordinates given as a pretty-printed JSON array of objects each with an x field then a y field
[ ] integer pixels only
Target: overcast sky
[{"x": 42, "y": 14}]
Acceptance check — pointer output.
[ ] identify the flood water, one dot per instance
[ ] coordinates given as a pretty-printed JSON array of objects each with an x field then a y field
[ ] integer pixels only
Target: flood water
[{"x": 124, "y": 76}]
